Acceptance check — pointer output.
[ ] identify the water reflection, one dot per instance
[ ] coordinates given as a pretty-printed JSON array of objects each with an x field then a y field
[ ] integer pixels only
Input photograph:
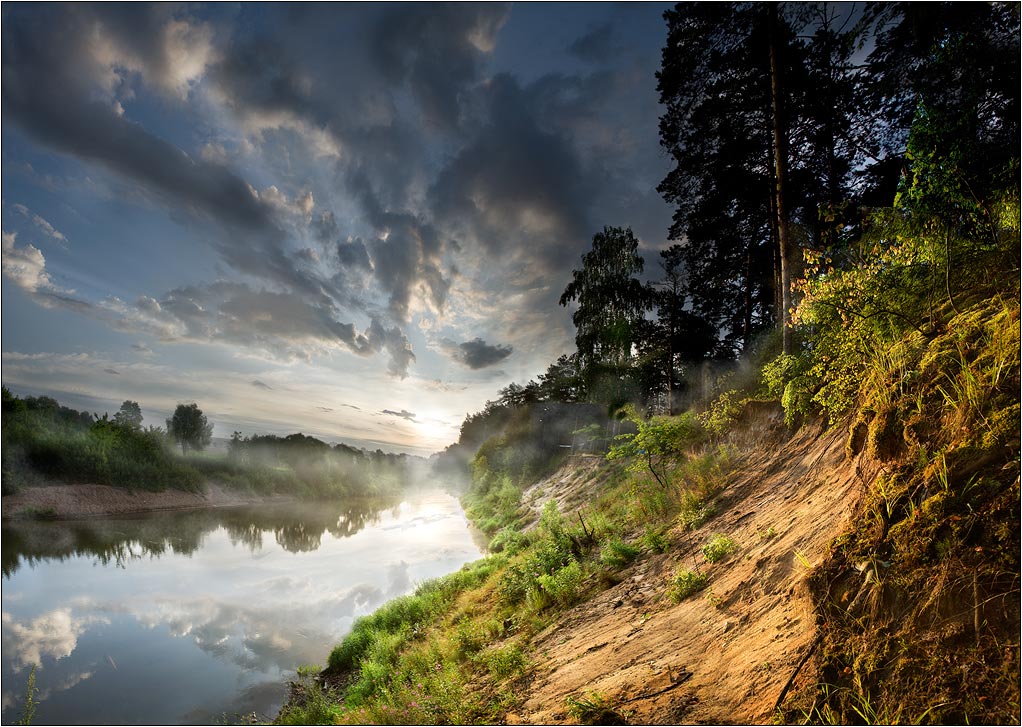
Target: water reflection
[
  {"x": 297, "y": 528},
  {"x": 214, "y": 607}
]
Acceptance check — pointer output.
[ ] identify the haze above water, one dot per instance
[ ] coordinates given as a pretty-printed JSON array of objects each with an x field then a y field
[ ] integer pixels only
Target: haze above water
[{"x": 197, "y": 616}]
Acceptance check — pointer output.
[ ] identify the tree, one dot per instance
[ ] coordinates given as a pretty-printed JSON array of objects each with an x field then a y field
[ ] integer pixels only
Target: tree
[
  {"x": 129, "y": 416},
  {"x": 611, "y": 304},
  {"x": 189, "y": 427},
  {"x": 656, "y": 441},
  {"x": 679, "y": 336},
  {"x": 758, "y": 161}
]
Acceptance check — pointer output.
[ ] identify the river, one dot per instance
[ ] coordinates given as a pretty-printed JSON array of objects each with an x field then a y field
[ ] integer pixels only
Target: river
[{"x": 203, "y": 616}]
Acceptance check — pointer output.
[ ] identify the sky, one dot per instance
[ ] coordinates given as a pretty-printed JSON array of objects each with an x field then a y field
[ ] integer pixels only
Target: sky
[{"x": 351, "y": 220}]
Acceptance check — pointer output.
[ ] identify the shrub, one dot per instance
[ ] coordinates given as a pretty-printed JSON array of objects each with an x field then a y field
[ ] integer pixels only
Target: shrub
[
  {"x": 616, "y": 553},
  {"x": 718, "y": 548},
  {"x": 655, "y": 539},
  {"x": 685, "y": 583},
  {"x": 722, "y": 413}
]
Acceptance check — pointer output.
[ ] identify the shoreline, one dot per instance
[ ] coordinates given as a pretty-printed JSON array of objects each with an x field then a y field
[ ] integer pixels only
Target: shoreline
[{"x": 84, "y": 501}]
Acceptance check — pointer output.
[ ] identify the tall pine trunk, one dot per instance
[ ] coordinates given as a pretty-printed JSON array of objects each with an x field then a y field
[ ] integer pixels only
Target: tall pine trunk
[{"x": 780, "y": 176}]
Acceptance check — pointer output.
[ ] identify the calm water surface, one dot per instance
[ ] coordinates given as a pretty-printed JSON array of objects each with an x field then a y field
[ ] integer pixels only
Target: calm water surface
[{"x": 201, "y": 616}]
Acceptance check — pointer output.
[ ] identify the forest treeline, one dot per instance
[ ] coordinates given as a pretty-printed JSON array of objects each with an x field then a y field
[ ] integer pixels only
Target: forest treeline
[{"x": 45, "y": 441}]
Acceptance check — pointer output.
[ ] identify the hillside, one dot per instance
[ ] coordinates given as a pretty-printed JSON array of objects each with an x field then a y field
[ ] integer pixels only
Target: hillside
[
  {"x": 724, "y": 657},
  {"x": 767, "y": 565}
]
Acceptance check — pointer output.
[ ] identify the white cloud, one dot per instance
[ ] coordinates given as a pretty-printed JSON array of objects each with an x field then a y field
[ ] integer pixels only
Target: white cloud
[
  {"x": 48, "y": 229},
  {"x": 53, "y": 634},
  {"x": 26, "y": 267}
]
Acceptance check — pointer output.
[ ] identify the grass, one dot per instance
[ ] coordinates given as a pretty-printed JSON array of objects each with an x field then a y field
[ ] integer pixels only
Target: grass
[
  {"x": 616, "y": 553},
  {"x": 593, "y": 708}
]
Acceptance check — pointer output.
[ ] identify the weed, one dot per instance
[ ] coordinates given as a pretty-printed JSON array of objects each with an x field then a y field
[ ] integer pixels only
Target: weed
[
  {"x": 593, "y": 708},
  {"x": 685, "y": 583},
  {"x": 767, "y": 534},
  {"x": 617, "y": 554},
  {"x": 655, "y": 539},
  {"x": 694, "y": 511},
  {"x": 28, "y": 713},
  {"x": 802, "y": 558},
  {"x": 719, "y": 547}
]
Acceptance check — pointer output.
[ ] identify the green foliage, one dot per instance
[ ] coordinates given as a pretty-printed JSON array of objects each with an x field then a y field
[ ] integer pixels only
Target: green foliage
[
  {"x": 655, "y": 539},
  {"x": 657, "y": 439},
  {"x": 509, "y": 541},
  {"x": 616, "y": 553},
  {"x": 309, "y": 702},
  {"x": 611, "y": 301},
  {"x": 685, "y": 583},
  {"x": 28, "y": 711},
  {"x": 719, "y": 547},
  {"x": 695, "y": 510},
  {"x": 189, "y": 427},
  {"x": 504, "y": 661},
  {"x": 593, "y": 708},
  {"x": 129, "y": 416},
  {"x": 722, "y": 413}
]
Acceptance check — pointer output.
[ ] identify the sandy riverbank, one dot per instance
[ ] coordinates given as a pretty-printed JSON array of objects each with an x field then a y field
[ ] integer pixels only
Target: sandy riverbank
[{"x": 85, "y": 501}]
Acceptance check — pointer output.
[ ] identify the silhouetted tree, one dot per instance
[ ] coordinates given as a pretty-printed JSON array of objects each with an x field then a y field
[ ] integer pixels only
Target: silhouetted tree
[
  {"x": 611, "y": 304},
  {"x": 129, "y": 416},
  {"x": 189, "y": 428}
]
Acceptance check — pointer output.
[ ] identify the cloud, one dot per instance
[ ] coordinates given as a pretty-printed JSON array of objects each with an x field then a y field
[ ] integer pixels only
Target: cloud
[
  {"x": 260, "y": 385},
  {"x": 42, "y": 224},
  {"x": 142, "y": 349},
  {"x": 596, "y": 46},
  {"x": 437, "y": 50},
  {"x": 403, "y": 414},
  {"x": 53, "y": 634},
  {"x": 114, "y": 372},
  {"x": 475, "y": 354},
  {"x": 26, "y": 267}
]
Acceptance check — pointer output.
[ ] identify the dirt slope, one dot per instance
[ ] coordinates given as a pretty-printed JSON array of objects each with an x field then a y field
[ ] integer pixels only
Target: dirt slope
[{"x": 725, "y": 655}]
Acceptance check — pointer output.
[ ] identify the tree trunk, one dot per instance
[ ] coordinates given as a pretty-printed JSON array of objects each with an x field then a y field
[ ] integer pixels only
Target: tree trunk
[{"x": 781, "y": 175}]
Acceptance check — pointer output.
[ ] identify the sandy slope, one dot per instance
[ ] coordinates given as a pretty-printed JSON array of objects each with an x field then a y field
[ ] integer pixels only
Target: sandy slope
[
  {"x": 722, "y": 656},
  {"x": 82, "y": 501}
]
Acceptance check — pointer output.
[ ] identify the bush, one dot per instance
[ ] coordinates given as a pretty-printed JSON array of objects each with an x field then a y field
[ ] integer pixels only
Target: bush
[
  {"x": 616, "y": 553},
  {"x": 718, "y": 548},
  {"x": 723, "y": 412},
  {"x": 685, "y": 583},
  {"x": 655, "y": 539}
]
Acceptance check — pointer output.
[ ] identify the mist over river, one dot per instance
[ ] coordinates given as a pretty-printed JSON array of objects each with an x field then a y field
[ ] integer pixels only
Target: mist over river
[{"x": 191, "y": 617}]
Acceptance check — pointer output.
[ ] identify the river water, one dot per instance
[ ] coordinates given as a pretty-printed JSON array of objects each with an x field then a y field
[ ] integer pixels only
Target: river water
[{"x": 203, "y": 616}]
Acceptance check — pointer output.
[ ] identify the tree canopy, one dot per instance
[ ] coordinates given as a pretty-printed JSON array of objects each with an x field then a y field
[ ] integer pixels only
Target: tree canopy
[{"x": 189, "y": 428}]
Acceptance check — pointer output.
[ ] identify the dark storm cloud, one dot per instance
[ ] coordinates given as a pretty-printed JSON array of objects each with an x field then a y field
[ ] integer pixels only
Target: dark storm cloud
[
  {"x": 403, "y": 414},
  {"x": 515, "y": 180},
  {"x": 437, "y": 50},
  {"x": 597, "y": 46},
  {"x": 49, "y": 93},
  {"x": 353, "y": 255},
  {"x": 53, "y": 88},
  {"x": 282, "y": 324},
  {"x": 475, "y": 354}
]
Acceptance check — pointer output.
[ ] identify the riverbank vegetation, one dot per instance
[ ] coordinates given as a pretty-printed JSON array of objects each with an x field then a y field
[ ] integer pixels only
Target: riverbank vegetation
[
  {"x": 46, "y": 442},
  {"x": 852, "y": 255}
]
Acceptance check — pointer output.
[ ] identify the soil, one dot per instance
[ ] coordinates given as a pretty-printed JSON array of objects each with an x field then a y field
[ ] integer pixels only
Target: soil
[
  {"x": 725, "y": 654},
  {"x": 86, "y": 501}
]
